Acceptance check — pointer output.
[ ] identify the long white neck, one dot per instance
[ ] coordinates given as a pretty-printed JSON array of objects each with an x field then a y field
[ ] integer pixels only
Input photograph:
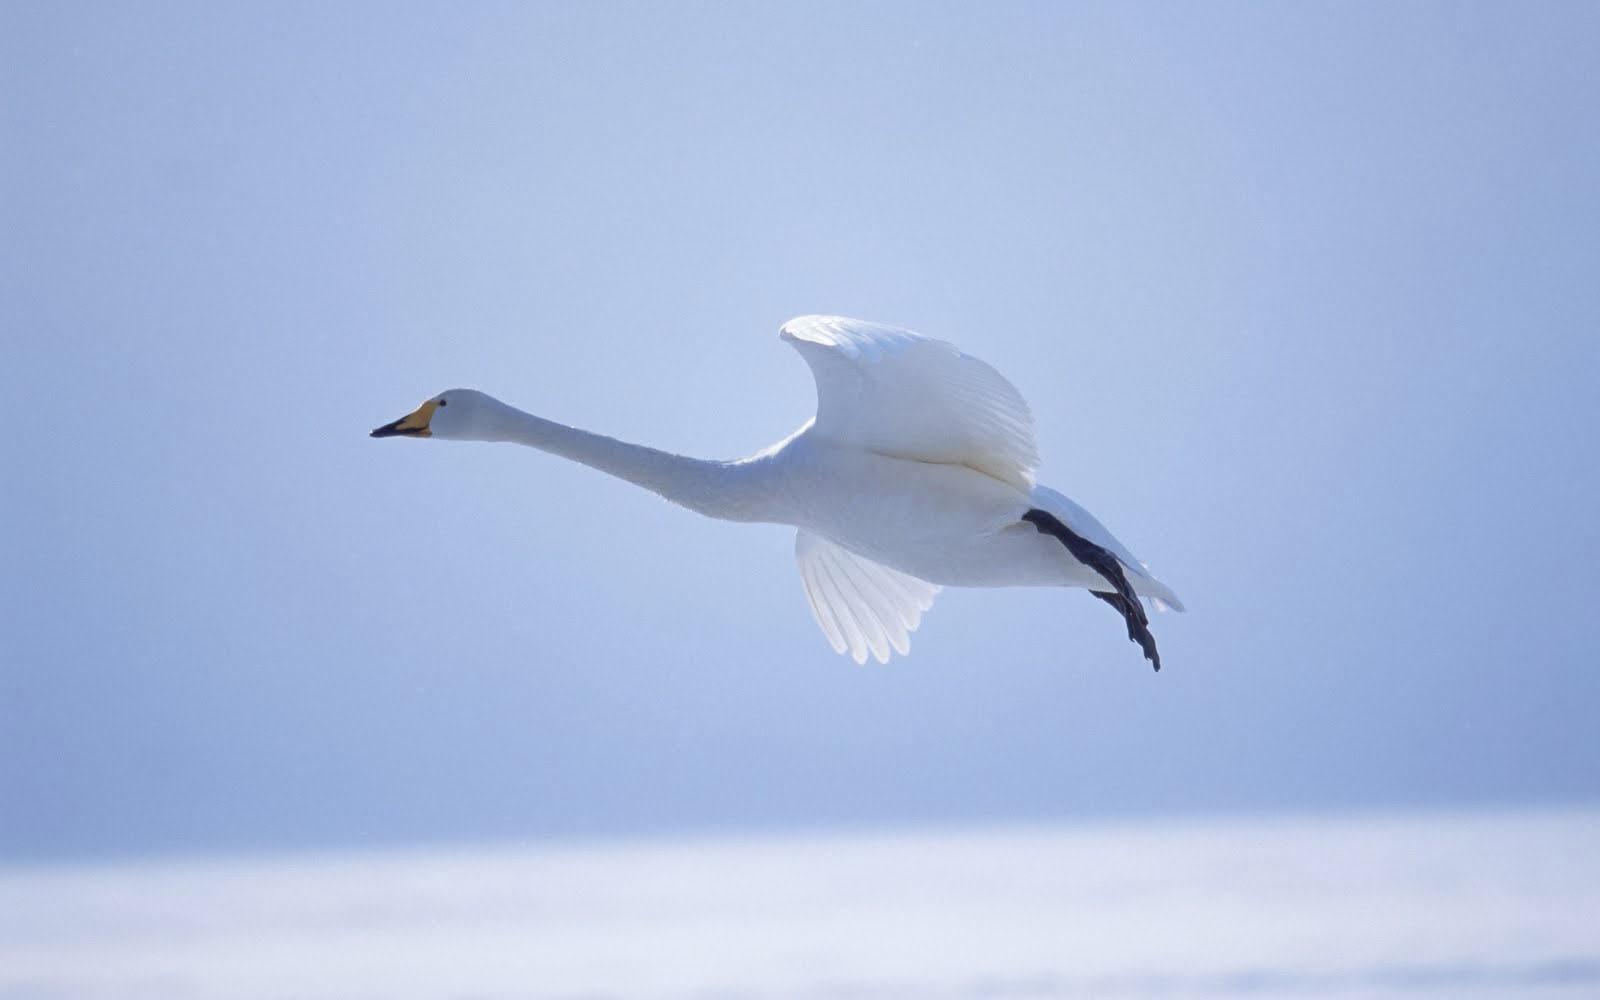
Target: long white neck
[{"x": 730, "y": 491}]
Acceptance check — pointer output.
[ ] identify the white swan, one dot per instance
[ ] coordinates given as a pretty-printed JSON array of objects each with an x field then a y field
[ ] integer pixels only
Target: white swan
[{"x": 915, "y": 474}]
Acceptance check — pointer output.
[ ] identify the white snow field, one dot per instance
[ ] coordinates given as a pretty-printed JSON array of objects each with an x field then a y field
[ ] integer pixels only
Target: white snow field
[{"x": 1447, "y": 905}]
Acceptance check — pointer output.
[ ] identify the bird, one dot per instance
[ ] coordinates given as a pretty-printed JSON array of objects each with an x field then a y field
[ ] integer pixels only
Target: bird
[{"x": 916, "y": 473}]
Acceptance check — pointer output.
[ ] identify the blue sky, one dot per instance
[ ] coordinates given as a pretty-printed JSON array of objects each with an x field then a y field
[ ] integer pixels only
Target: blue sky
[{"x": 1302, "y": 296}]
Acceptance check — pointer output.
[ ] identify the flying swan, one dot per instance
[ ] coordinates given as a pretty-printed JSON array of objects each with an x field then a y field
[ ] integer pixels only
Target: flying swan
[{"x": 917, "y": 473}]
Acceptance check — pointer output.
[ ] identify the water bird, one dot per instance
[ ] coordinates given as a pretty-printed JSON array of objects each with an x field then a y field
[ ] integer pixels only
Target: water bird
[{"x": 917, "y": 473}]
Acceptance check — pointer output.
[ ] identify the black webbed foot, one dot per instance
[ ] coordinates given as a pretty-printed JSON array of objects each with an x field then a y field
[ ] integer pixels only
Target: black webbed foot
[
  {"x": 1138, "y": 624},
  {"x": 1103, "y": 562}
]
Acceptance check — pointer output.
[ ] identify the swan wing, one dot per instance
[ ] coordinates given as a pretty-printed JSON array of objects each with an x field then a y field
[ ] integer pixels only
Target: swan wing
[
  {"x": 894, "y": 392},
  {"x": 862, "y": 606}
]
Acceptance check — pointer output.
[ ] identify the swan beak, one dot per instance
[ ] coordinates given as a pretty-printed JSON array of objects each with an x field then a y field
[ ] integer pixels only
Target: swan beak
[{"x": 414, "y": 424}]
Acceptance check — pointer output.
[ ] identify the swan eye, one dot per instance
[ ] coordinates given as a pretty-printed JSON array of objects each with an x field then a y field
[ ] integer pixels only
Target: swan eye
[{"x": 444, "y": 402}]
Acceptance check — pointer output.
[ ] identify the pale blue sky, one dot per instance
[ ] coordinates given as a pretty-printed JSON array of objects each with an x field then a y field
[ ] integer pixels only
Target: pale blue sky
[{"x": 1304, "y": 298}]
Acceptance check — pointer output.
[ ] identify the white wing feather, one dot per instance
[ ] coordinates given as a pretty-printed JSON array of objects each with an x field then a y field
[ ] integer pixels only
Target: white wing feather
[
  {"x": 897, "y": 393},
  {"x": 861, "y": 606}
]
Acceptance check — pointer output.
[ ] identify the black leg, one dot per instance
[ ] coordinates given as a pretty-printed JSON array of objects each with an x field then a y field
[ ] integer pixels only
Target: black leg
[
  {"x": 1138, "y": 624},
  {"x": 1103, "y": 562}
]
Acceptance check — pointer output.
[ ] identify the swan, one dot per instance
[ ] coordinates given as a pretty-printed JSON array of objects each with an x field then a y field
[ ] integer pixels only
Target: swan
[{"x": 917, "y": 473}]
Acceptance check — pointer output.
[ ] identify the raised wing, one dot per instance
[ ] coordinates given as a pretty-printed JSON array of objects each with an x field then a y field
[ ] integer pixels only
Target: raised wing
[
  {"x": 860, "y": 605},
  {"x": 897, "y": 393}
]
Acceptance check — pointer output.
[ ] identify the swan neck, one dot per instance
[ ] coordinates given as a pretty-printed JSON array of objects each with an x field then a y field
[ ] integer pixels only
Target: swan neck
[{"x": 726, "y": 490}]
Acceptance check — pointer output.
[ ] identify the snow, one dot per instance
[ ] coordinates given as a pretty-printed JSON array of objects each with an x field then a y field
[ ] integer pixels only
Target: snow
[{"x": 1471, "y": 905}]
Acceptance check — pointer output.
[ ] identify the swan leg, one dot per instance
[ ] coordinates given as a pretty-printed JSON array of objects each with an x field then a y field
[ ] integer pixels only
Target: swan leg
[
  {"x": 1138, "y": 624},
  {"x": 1103, "y": 562}
]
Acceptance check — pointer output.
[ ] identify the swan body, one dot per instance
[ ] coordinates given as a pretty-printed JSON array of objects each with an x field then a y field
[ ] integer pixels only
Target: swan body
[{"x": 917, "y": 473}]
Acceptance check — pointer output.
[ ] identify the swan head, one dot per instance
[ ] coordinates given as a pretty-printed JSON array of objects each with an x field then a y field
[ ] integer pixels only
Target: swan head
[{"x": 459, "y": 414}]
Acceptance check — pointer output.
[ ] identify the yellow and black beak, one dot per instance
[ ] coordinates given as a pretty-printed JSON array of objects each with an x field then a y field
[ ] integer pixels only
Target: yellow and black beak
[{"x": 413, "y": 424}]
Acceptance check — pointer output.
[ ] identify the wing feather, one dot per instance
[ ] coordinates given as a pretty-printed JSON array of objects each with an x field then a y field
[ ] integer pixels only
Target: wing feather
[
  {"x": 889, "y": 390},
  {"x": 862, "y": 607},
  {"x": 822, "y": 611},
  {"x": 858, "y": 617},
  {"x": 871, "y": 603}
]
